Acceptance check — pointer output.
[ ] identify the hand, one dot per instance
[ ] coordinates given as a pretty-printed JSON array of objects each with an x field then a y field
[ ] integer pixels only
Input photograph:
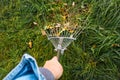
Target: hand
[{"x": 55, "y": 67}]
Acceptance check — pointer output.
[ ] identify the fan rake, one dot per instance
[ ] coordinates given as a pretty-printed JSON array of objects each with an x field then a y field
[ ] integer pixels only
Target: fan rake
[{"x": 61, "y": 35}]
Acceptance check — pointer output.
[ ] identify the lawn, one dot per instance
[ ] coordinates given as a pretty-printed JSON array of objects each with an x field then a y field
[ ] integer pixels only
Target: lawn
[{"x": 95, "y": 55}]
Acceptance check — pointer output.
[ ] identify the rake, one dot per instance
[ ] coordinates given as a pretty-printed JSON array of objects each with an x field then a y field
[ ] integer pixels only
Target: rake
[
  {"x": 62, "y": 32},
  {"x": 61, "y": 35}
]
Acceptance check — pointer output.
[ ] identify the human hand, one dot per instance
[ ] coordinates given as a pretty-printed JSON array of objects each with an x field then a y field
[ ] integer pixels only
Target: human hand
[{"x": 55, "y": 67}]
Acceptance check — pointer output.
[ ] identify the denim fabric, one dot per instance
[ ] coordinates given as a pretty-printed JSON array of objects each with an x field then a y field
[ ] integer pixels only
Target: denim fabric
[{"x": 27, "y": 69}]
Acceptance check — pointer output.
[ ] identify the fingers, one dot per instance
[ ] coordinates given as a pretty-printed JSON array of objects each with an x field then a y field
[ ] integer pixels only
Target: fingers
[{"x": 54, "y": 66}]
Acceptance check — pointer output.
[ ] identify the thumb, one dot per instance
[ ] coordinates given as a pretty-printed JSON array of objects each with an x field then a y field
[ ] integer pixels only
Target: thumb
[{"x": 55, "y": 58}]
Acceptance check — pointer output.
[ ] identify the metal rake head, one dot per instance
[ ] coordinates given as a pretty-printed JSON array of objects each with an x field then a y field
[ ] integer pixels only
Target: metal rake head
[{"x": 61, "y": 35}]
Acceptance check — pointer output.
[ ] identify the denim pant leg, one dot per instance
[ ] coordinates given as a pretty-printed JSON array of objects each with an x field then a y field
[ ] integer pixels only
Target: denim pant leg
[{"x": 27, "y": 69}]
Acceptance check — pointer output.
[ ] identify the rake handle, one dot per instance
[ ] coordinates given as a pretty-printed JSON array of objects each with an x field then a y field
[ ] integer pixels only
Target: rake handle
[{"x": 58, "y": 55}]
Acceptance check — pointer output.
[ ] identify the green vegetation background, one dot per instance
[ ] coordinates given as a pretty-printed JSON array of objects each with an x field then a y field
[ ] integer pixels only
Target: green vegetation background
[{"x": 95, "y": 55}]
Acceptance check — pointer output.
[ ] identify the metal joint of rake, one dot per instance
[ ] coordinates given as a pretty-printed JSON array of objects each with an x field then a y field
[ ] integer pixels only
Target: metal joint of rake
[
  {"x": 59, "y": 47},
  {"x": 60, "y": 43}
]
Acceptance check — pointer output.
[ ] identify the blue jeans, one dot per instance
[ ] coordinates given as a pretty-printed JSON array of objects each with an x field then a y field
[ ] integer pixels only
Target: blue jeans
[{"x": 27, "y": 69}]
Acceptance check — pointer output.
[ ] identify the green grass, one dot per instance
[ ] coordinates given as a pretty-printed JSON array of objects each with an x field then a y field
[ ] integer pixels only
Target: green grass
[{"x": 95, "y": 55}]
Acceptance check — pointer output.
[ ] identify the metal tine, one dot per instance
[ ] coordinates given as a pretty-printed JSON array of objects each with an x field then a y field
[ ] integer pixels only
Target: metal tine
[
  {"x": 79, "y": 32},
  {"x": 75, "y": 32}
]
